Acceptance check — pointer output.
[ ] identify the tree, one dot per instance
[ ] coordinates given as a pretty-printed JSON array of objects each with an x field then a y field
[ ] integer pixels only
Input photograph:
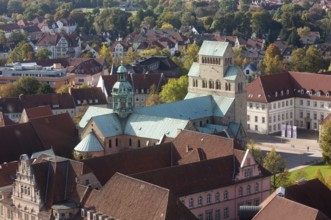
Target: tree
[
  {"x": 130, "y": 56},
  {"x": 190, "y": 56},
  {"x": 261, "y": 22},
  {"x": 27, "y": 85},
  {"x": 23, "y": 51},
  {"x": 153, "y": 97},
  {"x": 313, "y": 60},
  {"x": 45, "y": 88},
  {"x": 297, "y": 60},
  {"x": 325, "y": 142},
  {"x": 105, "y": 54},
  {"x": 272, "y": 60},
  {"x": 228, "y": 6},
  {"x": 174, "y": 90},
  {"x": 9, "y": 91},
  {"x": 284, "y": 180},
  {"x": 255, "y": 151},
  {"x": 304, "y": 31},
  {"x": 275, "y": 164},
  {"x": 63, "y": 89},
  {"x": 319, "y": 175}
]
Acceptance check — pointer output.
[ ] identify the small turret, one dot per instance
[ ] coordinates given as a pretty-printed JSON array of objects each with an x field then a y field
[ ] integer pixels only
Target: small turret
[{"x": 122, "y": 93}]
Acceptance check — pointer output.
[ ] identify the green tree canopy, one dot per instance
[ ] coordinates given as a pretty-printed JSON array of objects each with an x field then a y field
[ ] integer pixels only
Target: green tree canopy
[
  {"x": 23, "y": 51},
  {"x": 307, "y": 61},
  {"x": 325, "y": 142},
  {"x": 27, "y": 85},
  {"x": 174, "y": 90},
  {"x": 275, "y": 164},
  {"x": 43, "y": 53}
]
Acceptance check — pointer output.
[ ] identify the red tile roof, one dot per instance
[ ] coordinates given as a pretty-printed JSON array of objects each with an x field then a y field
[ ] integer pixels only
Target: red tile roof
[
  {"x": 289, "y": 84},
  {"x": 92, "y": 96},
  {"x": 128, "y": 198},
  {"x": 53, "y": 100},
  {"x": 285, "y": 209},
  {"x": 312, "y": 193},
  {"x": 37, "y": 112},
  {"x": 57, "y": 132},
  {"x": 8, "y": 173}
]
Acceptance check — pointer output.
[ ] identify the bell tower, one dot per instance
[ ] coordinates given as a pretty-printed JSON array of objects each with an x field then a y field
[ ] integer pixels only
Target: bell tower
[{"x": 122, "y": 93}]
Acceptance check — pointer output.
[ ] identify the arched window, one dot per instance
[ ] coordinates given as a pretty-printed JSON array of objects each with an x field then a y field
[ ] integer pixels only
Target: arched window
[
  {"x": 230, "y": 87},
  {"x": 257, "y": 187},
  {"x": 218, "y": 84},
  {"x": 211, "y": 84},
  {"x": 191, "y": 203},
  {"x": 204, "y": 83},
  {"x": 240, "y": 192},
  {"x": 208, "y": 199},
  {"x": 138, "y": 143},
  {"x": 200, "y": 201},
  {"x": 130, "y": 142},
  {"x": 248, "y": 189},
  {"x": 217, "y": 197},
  {"x": 116, "y": 142},
  {"x": 22, "y": 191}
]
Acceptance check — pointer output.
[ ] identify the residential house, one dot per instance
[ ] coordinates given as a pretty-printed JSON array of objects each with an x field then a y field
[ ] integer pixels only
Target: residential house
[
  {"x": 36, "y": 112},
  {"x": 11, "y": 108},
  {"x": 289, "y": 98},
  {"x": 10, "y": 28},
  {"x": 85, "y": 97},
  {"x": 60, "y": 45},
  {"x": 118, "y": 49},
  {"x": 251, "y": 71},
  {"x": 66, "y": 25},
  {"x": 311, "y": 38},
  {"x": 59, "y": 103}
]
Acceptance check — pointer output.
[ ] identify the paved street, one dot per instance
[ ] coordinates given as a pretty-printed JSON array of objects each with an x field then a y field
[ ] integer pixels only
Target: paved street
[{"x": 294, "y": 151}]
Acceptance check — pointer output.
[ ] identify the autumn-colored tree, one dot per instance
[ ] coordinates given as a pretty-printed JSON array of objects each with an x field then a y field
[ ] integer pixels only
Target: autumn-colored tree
[
  {"x": 63, "y": 89},
  {"x": 153, "y": 97},
  {"x": 9, "y": 91},
  {"x": 255, "y": 151},
  {"x": 105, "y": 53},
  {"x": 174, "y": 90},
  {"x": 273, "y": 59},
  {"x": 130, "y": 56}
]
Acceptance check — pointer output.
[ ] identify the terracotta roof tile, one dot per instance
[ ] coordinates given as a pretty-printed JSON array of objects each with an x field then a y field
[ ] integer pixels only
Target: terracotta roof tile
[
  {"x": 290, "y": 84},
  {"x": 282, "y": 208},
  {"x": 311, "y": 193},
  {"x": 92, "y": 96},
  {"x": 37, "y": 112},
  {"x": 53, "y": 100},
  {"x": 8, "y": 173},
  {"x": 128, "y": 198},
  {"x": 57, "y": 132}
]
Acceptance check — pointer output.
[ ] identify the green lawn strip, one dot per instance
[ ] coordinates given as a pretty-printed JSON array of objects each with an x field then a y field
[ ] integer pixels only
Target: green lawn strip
[{"x": 310, "y": 172}]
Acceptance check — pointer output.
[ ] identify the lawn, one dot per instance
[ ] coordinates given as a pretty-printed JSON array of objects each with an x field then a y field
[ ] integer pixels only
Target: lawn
[{"x": 310, "y": 172}]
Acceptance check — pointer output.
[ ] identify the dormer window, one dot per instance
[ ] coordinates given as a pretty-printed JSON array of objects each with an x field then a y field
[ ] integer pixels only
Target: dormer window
[
  {"x": 302, "y": 91},
  {"x": 327, "y": 94},
  {"x": 282, "y": 93},
  {"x": 276, "y": 94},
  {"x": 287, "y": 92}
]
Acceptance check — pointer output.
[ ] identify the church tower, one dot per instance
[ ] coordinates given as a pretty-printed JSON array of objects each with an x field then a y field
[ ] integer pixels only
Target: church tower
[
  {"x": 122, "y": 94},
  {"x": 215, "y": 74}
]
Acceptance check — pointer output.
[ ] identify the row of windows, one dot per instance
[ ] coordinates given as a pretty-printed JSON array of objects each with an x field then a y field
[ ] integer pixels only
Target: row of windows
[
  {"x": 110, "y": 143},
  {"x": 217, "y": 197},
  {"x": 208, "y": 199},
  {"x": 315, "y": 115},
  {"x": 256, "y": 119},
  {"x": 217, "y": 214},
  {"x": 280, "y": 117}
]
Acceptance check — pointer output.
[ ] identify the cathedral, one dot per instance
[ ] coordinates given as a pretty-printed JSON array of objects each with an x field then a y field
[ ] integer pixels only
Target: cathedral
[{"x": 215, "y": 104}]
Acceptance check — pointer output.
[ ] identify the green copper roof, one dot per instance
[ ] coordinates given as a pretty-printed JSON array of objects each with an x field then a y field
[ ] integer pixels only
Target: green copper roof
[
  {"x": 122, "y": 69},
  {"x": 90, "y": 143},
  {"x": 153, "y": 127},
  {"x": 234, "y": 127},
  {"x": 122, "y": 87},
  {"x": 194, "y": 70},
  {"x": 91, "y": 112},
  {"x": 190, "y": 109},
  {"x": 108, "y": 124},
  {"x": 232, "y": 73},
  {"x": 213, "y": 48}
]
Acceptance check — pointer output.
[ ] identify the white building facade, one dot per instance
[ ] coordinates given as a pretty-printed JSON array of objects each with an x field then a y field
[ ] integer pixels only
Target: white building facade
[{"x": 292, "y": 98}]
